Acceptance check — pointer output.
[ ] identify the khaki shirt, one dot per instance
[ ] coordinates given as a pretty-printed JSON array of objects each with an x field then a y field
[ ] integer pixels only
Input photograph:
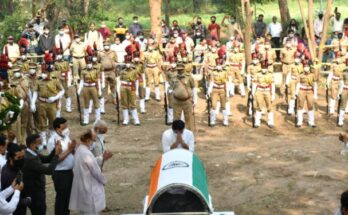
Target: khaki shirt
[
  {"x": 153, "y": 57},
  {"x": 219, "y": 77},
  {"x": 108, "y": 60},
  {"x": 296, "y": 71},
  {"x": 288, "y": 55},
  {"x": 269, "y": 55},
  {"x": 337, "y": 70},
  {"x": 48, "y": 87},
  {"x": 171, "y": 77},
  {"x": 90, "y": 76},
  {"x": 210, "y": 59},
  {"x": 182, "y": 88},
  {"x": 19, "y": 88},
  {"x": 62, "y": 69},
  {"x": 129, "y": 74},
  {"x": 254, "y": 69},
  {"x": 307, "y": 79},
  {"x": 235, "y": 58},
  {"x": 77, "y": 49},
  {"x": 264, "y": 80}
]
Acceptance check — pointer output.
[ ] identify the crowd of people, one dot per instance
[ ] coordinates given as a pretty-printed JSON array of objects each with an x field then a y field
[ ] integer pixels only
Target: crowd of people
[{"x": 121, "y": 67}]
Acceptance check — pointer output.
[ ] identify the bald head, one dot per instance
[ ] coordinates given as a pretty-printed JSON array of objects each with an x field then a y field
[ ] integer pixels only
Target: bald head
[{"x": 100, "y": 127}]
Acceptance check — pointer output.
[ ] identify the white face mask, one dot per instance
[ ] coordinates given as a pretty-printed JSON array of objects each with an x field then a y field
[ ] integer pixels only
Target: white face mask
[
  {"x": 297, "y": 60},
  {"x": 173, "y": 65},
  {"x": 136, "y": 59},
  {"x": 107, "y": 48},
  {"x": 236, "y": 50},
  {"x": 184, "y": 59},
  {"x": 128, "y": 65},
  {"x": 59, "y": 57},
  {"x": 176, "y": 35},
  {"x": 288, "y": 45},
  {"x": 17, "y": 74},
  {"x": 94, "y": 59},
  {"x": 213, "y": 50},
  {"x": 61, "y": 33},
  {"x": 66, "y": 132},
  {"x": 255, "y": 61},
  {"x": 32, "y": 71},
  {"x": 78, "y": 40},
  {"x": 1, "y": 84},
  {"x": 127, "y": 37},
  {"x": 89, "y": 66},
  {"x": 24, "y": 57},
  {"x": 306, "y": 69},
  {"x": 43, "y": 75},
  {"x": 219, "y": 68},
  {"x": 264, "y": 71},
  {"x": 135, "y": 21}
]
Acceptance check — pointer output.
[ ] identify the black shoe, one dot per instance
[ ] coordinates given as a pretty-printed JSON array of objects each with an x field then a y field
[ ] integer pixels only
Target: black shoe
[
  {"x": 102, "y": 113},
  {"x": 313, "y": 126},
  {"x": 298, "y": 126},
  {"x": 271, "y": 126},
  {"x": 137, "y": 124},
  {"x": 340, "y": 126}
]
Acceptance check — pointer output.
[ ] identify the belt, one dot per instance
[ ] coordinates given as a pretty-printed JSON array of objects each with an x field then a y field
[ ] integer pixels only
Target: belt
[
  {"x": 235, "y": 64},
  {"x": 345, "y": 88},
  {"x": 43, "y": 99},
  {"x": 336, "y": 78},
  {"x": 287, "y": 63},
  {"x": 270, "y": 64},
  {"x": 183, "y": 100},
  {"x": 306, "y": 88},
  {"x": 219, "y": 86},
  {"x": 127, "y": 84},
  {"x": 263, "y": 87},
  {"x": 79, "y": 57},
  {"x": 108, "y": 70},
  {"x": 294, "y": 78},
  {"x": 89, "y": 84},
  {"x": 151, "y": 65}
]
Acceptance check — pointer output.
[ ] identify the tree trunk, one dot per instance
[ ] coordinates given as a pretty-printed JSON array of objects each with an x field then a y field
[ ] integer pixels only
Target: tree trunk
[
  {"x": 196, "y": 6},
  {"x": 325, "y": 28},
  {"x": 155, "y": 18},
  {"x": 33, "y": 8},
  {"x": 284, "y": 12},
  {"x": 86, "y": 6},
  {"x": 248, "y": 32},
  {"x": 311, "y": 25},
  {"x": 166, "y": 8}
]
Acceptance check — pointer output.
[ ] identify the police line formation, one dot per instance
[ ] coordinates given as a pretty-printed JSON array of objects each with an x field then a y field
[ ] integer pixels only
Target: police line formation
[{"x": 32, "y": 90}]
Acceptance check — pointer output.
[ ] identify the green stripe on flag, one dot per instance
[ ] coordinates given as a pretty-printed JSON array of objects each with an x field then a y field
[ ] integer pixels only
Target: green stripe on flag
[{"x": 199, "y": 177}]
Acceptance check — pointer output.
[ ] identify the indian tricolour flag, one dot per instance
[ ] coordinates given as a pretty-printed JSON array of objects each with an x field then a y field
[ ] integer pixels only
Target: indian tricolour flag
[{"x": 179, "y": 168}]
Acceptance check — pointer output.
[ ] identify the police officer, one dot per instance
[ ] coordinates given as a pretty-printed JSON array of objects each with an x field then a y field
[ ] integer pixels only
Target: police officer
[
  {"x": 90, "y": 87},
  {"x": 263, "y": 90},
  {"x": 128, "y": 78},
  {"x": 344, "y": 98},
  {"x": 332, "y": 83},
  {"x": 139, "y": 64},
  {"x": 235, "y": 61},
  {"x": 171, "y": 76},
  {"x": 287, "y": 57},
  {"x": 292, "y": 79},
  {"x": 152, "y": 60},
  {"x": 77, "y": 50},
  {"x": 306, "y": 90}
]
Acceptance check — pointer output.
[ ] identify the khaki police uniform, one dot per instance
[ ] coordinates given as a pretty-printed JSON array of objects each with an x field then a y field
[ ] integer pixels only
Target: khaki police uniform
[
  {"x": 152, "y": 60},
  {"x": 77, "y": 51}
]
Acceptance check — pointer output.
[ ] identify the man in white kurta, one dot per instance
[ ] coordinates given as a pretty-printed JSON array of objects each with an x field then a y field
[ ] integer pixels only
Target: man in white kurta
[{"x": 87, "y": 193}]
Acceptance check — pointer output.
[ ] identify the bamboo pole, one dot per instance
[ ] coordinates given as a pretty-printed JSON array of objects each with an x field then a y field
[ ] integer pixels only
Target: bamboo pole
[
  {"x": 247, "y": 32},
  {"x": 311, "y": 25},
  {"x": 325, "y": 28}
]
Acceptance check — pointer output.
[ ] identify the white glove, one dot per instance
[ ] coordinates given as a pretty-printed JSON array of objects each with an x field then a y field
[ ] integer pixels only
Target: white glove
[
  {"x": 253, "y": 91},
  {"x": 288, "y": 79},
  {"x": 273, "y": 92},
  {"x": 194, "y": 96},
  {"x": 10, "y": 114},
  {"x": 144, "y": 79},
  {"x": 248, "y": 78},
  {"x": 21, "y": 103},
  {"x": 103, "y": 80},
  {"x": 297, "y": 89},
  {"x": 33, "y": 108},
  {"x": 99, "y": 88},
  {"x": 328, "y": 80},
  {"x": 315, "y": 90},
  {"x": 51, "y": 99},
  {"x": 166, "y": 86},
  {"x": 10, "y": 64},
  {"x": 210, "y": 89},
  {"x": 80, "y": 87}
]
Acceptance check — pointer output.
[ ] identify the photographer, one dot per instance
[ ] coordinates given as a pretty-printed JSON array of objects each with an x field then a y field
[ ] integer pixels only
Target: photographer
[{"x": 12, "y": 171}]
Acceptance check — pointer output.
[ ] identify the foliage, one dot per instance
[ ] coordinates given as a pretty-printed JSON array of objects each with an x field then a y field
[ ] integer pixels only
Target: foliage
[{"x": 12, "y": 25}]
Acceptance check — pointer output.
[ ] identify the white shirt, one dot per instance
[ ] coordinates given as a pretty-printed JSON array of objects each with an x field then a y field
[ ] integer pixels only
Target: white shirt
[
  {"x": 143, "y": 44},
  {"x": 120, "y": 52},
  {"x": 65, "y": 40},
  {"x": 126, "y": 43},
  {"x": 68, "y": 162},
  {"x": 7, "y": 208},
  {"x": 13, "y": 50},
  {"x": 169, "y": 138},
  {"x": 275, "y": 29},
  {"x": 337, "y": 25},
  {"x": 318, "y": 26},
  {"x": 92, "y": 37},
  {"x": 99, "y": 149},
  {"x": 178, "y": 40},
  {"x": 2, "y": 161}
]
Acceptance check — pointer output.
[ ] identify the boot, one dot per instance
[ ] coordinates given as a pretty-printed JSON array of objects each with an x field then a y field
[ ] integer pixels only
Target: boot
[
  {"x": 182, "y": 117},
  {"x": 157, "y": 94},
  {"x": 228, "y": 108},
  {"x": 231, "y": 89},
  {"x": 68, "y": 105},
  {"x": 332, "y": 103},
  {"x": 97, "y": 114},
  {"x": 90, "y": 109},
  {"x": 142, "y": 106},
  {"x": 102, "y": 105},
  {"x": 270, "y": 120},
  {"x": 212, "y": 117},
  {"x": 59, "y": 108},
  {"x": 135, "y": 117},
  {"x": 147, "y": 93},
  {"x": 291, "y": 108},
  {"x": 242, "y": 89},
  {"x": 44, "y": 138},
  {"x": 85, "y": 117},
  {"x": 258, "y": 116},
  {"x": 225, "y": 120},
  {"x": 170, "y": 116},
  {"x": 299, "y": 118},
  {"x": 125, "y": 117},
  {"x": 341, "y": 118},
  {"x": 311, "y": 120}
]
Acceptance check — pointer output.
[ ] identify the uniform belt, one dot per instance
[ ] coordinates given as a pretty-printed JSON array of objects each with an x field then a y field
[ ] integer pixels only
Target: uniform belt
[
  {"x": 89, "y": 84},
  {"x": 345, "y": 88},
  {"x": 43, "y": 99},
  {"x": 219, "y": 86},
  {"x": 270, "y": 64},
  {"x": 235, "y": 64},
  {"x": 294, "y": 78},
  {"x": 182, "y": 100},
  {"x": 336, "y": 78},
  {"x": 125, "y": 83},
  {"x": 151, "y": 65},
  {"x": 287, "y": 63},
  {"x": 108, "y": 70},
  {"x": 263, "y": 87},
  {"x": 78, "y": 57},
  {"x": 306, "y": 88}
]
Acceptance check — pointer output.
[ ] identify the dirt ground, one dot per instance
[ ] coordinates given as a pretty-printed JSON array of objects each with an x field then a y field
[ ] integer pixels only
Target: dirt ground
[{"x": 283, "y": 170}]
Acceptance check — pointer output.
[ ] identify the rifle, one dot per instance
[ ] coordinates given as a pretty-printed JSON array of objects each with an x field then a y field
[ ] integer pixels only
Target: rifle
[
  {"x": 327, "y": 99},
  {"x": 287, "y": 96},
  {"x": 251, "y": 104},
  {"x": 339, "y": 107},
  {"x": 117, "y": 106},
  {"x": 78, "y": 104},
  {"x": 296, "y": 117},
  {"x": 165, "y": 107},
  {"x": 208, "y": 98}
]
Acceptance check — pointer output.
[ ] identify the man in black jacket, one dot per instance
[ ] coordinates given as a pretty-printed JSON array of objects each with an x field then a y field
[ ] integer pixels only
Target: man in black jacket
[
  {"x": 34, "y": 172},
  {"x": 46, "y": 41}
]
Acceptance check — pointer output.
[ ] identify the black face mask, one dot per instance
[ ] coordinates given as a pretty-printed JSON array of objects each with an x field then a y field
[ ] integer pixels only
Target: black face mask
[
  {"x": 320, "y": 16},
  {"x": 37, "y": 21},
  {"x": 18, "y": 164},
  {"x": 199, "y": 22},
  {"x": 213, "y": 21}
]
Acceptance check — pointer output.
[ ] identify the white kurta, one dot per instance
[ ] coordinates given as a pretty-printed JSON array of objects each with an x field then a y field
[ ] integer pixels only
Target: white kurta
[{"x": 87, "y": 193}]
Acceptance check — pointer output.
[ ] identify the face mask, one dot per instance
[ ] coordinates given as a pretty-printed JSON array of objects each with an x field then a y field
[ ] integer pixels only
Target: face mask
[
  {"x": 136, "y": 59},
  {"x": 198, "y": 34},
  {"x": 24, "y": 58},
  {"x": 150, "y": 48},
  {"x": 232, "y": 21},
  {"x": 213, "y": 50},
  {"x": 89, "y": 66},
  {"x": 219, "y": 68},
  {"x": 264, "y": 71},
  {"x": 127, "y": 37},
  {"x": 66, "y": 132},
  {"x": 17, "y": 74},
  {"x": 306, "y": 69},
  {"x": 135, "y": 21},
  {"x": 117, "y": 42},
  {"x": 39, "y": 148},
  {"x": 43, "y": 75},
  {"x": 297, "y": 60},
  {"x": 236, "y": 50},
  {"x": 288, "y": 45},
  {"x": 107, "y": 48},
  {"x": 94, "y": 59},
  {"x": 184, "y": 59},
  {"x": 78, "y": 40},
  {"x": 18, "y": 164},
  {"x": 199, "y": 22},
  {"x": 92, "y": 146},
  {"x": 176, "y": 35},
  {"x": 255, "y": 61},
  {"x": 213, "y": 21},
  {"x": 128, "y": 65},
  {"x": 1, "y": 84},
  {"x": 59, "y": 57},
  {"x": 173, "y": 65},
  {"x": 320, "y": 16},
  {"x": 61, "y": 33},
  {"x": 32, "y": 71}
]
